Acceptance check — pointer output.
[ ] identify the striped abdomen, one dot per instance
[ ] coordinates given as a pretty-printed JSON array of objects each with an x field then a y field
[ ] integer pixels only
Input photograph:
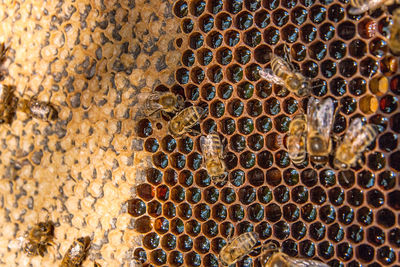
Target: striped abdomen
[{"x": 238, "y": 248}]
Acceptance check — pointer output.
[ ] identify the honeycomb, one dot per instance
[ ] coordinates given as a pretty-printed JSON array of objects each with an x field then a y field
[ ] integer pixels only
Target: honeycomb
[
  {"x": 90, "y": 59},
  {"x": 106, "y": 171}
]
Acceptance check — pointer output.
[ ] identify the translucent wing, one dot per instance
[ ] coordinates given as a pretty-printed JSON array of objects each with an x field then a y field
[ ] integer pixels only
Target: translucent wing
[
  {"x": 296, "y": 262},
  {"x": 151, "y": 104},
  {"x": 311, "y": 111},
  {"x": 320, "y": 115},
  {"x": 355, "y": 129},
  {"x": 359, "y": 136},
  {"x": 368, "y": 5},
  {"x": 203, "y": 144},
  {"x": 358, "y": 10},
  {"x": 269, "y": 75}
]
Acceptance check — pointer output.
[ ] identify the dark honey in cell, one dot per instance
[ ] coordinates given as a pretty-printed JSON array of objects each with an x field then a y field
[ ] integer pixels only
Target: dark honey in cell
[
  {"x": 223, "y": 21},
  {"x": 224, "y": 56},
  {"x": 327, "y": 214},
  {"x": 298, "y": 230},
  {"x": 387, "y": 179},
  {"x": 214, "y": 39},
  {"x": 210, "y": 228},
  {"x": 345, "y": 215},
  {"x": 318, "y": 195},
  {"x": 386, "y": 218},
  {"x": 299, "y": 194},
  {"x": 219, "y": 212},
  {"x": 201, "y": 244},
  {"x": 317, "y": 231},
  {"x": 236, "y": 213},
  {"x": 158, "y": 256},
  {"x": 193, "y": 195},
  {"x": 244, "y": 20},
  {"x": 299, "y": 15},
  {"x": 274, "y": 177},
  {"x": 255, "y": 212},
  {"x": 308, "y": 33},
  {"x": 281, "y": 230},
  {"x": 326, "y": 250},
  {"x": 345, "y": 251},
  {"x": 307, "y": 248},
  {"x": 271, "y": 35},
  {"x": 143, "y": 224},
  {"x": 232, "y": 38},
  {"x": 184, "y": 211},
  {"x": 393, "y": 199},
  {"x": 140, "y": 255},
  {"x": 262, "y": 19},
  {"x": 290, "y": 34},
  {"x": 291, "y": 212},
  {"x": 193, "y": 228},
  {"x": 386, "y": 255},
  {"x": 394, "y": 237},
  {"x": 335, "y": 232},
  {"x": 255, "y": 142}
]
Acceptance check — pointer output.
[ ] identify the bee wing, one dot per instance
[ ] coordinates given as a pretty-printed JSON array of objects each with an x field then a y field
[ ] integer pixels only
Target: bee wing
[
  {"x": 269, "y": 75},
  {"x": 151, "y": 104},
  {"x": 203, "y": 143},
  {"x": 356, "y": 134},
  {"x": 296, "y": 262},
  {"x": 320, "y": 116},
  {"x": 358, "y": 10},
  {"x": 17, "y": 244},
  {"x": 355, "y": 129}
]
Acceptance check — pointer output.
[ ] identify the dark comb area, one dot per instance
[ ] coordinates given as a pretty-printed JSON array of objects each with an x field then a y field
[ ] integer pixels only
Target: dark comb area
[{"x": 349, "y": 217}]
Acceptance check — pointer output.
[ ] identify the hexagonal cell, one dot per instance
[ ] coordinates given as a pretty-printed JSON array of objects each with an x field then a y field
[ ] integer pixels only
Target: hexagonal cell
[{"x": 394, "y": 199}]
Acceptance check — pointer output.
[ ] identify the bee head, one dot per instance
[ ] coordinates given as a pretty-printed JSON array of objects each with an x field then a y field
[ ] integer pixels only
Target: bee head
[{"x": 46, "y": 227}]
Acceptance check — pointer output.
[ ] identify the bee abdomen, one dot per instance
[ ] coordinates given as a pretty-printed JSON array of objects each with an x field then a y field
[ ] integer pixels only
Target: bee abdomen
[{"x": 248, "y": 240}]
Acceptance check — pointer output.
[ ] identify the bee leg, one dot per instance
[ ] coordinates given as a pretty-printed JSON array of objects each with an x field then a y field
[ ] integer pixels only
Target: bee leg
[
  {"x": 169, "y": 117},
  {"x": 230, "y": 235},
  {"x": 151, "y": 113},
  {"x": 288, "y": 56},
  {"x": 194, "y": 132},
  {"x": 181, "y": 102},
  {"x": 282, "y": 91},
  {"x": 269, "y": 247}
]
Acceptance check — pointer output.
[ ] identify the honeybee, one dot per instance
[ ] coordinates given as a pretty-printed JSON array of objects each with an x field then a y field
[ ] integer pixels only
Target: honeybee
[
  {"x": 185, "y": 120},
  {"x": 355, "y": 141},
  {"x": 8, "y": 103},
  {"x": 166, "y": 102},
  {"x": 76, "y": 253},
  {"x": 283, "y": 73},
  {"x": 296, "y": 141},
  {"x": 38, "y": 109},
  {"x": 3, "y": 51},
  {"x": 237, "y": 248},
  {"x": 361, "y": 6},
  {"x": 319, "y": 124},
  {"x": 272, "y": 256},
  {"x": 213, "y": 152},
  {"x": 394, "y": 40},
  {"x": 39, "y": 237}
]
